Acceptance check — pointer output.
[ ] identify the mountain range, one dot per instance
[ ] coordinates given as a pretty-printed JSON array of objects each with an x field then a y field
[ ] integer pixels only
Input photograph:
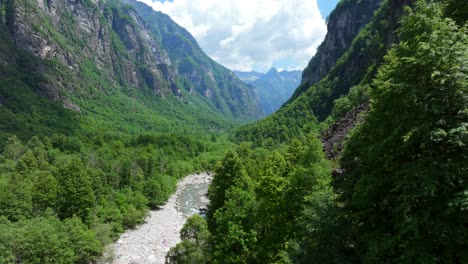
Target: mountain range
[{"x": 273, "y": 88}]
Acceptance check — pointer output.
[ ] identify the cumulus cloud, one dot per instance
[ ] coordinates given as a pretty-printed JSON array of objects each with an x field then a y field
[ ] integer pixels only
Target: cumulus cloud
[{"x": 251, "y": 34}]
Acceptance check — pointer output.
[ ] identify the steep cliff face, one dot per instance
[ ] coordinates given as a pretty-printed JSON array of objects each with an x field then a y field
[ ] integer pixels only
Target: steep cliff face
[
  {"x": 343, "y": 61},
  {"x": 206, "y": 77},
  {"x": 344, "y": 23},
  {"x": 75, "y": 33},
  {"x": 97, "y": 57}
]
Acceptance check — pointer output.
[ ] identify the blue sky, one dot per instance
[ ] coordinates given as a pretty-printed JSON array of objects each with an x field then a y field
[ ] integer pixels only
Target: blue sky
[
  {"x": 326, "y": 6},
  {"x": 253, "y": 35}
]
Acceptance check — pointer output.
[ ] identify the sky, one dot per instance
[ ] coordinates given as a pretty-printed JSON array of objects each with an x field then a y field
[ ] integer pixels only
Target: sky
[{"x": 254, "y": 35}]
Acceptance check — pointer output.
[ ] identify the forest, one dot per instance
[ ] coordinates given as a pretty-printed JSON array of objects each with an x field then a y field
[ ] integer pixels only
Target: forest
[
  {"x": 397, "y": 193},
  {"x": 63, "y": 199}
]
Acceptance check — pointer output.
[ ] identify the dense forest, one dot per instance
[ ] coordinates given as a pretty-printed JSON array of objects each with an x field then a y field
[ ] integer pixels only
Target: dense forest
[
  {"x": 63, "y": 199},
  {"x": 72, "y": 181},
  {"x": 396, "y": 194}
]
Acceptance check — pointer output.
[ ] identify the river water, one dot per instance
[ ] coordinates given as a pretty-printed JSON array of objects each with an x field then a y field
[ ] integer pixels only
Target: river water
[{"x": 149, "y": 243}]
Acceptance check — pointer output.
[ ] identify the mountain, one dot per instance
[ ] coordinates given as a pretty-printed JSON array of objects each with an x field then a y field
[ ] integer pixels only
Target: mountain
[
  {"x": 208, "y": 78},
  {"x": 359, "y": 34},
  {"x": 387, "y": 94},
  {"x": 111, "y": 110},
  {"x": 248, "y": 77},
  {"x": 85, "y": 64},
  {"x": 273, "y": 88}
]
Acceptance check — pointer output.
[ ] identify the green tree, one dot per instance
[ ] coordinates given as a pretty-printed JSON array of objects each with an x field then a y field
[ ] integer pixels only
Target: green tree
[
  {"x": 83, "y": 241},
  {"x": 273, "y": 219},
  {"x": 194, "y": 248},
  {"x": 235, "y": 236},
  {"x": 35, "y": 241},
  {"x": 458, "y": 10},
  {"x": 226, "y": 174},
  {"x": 405, "y": 185},
  {"x": 195, "y": 230},
  {"x": 15, "y": 197},
  {"x": 14, "y": 149},
  {"x": 44, "y": 192},
  {"x": 76, "y": 196},
  {"x": 316, "y": 230}
]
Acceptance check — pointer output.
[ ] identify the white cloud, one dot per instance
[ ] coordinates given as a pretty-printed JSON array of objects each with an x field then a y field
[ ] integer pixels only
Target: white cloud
[{"x": 251, "y": 34}]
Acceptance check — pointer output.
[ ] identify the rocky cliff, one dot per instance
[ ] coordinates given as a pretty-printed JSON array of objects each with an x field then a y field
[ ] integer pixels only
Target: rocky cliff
[
  {"x": 360, "y": 33},
  {"x": 73, "y": 33},
  {"x": 80, "y": 53},
  {"x": 344, "y": 23},
  {"x": 206, "y": 77}
]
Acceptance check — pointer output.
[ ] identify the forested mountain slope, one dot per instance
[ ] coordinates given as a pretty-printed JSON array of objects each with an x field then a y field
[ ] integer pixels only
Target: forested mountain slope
[
  {"x": 273, "y": 88},
  {"x": 102, "y": 61},
  {"x": 361, "y": 53},
  {"x": 396, "y": 194}
]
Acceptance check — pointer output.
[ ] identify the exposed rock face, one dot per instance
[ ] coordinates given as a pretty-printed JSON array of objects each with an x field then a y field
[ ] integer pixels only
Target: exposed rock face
[
  {"x": 333, "y": 138},
  {"x": 117, "y": 44},
  {"x": 343, "y": 26},
  {"x": 216, "y": 83},
  {"x": 360, "y": 33},
  {"x": 73, "y": 33}
]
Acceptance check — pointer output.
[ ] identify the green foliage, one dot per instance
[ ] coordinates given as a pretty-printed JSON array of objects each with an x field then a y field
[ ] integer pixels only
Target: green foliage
[
  {"x": 227, "y": 174},
  {"x": 405, "y": 184},
  {"x": 457, "y": 10},
  {"x": 75, "y": 193},
  {"x": 26, "y": 114},
  {"x": 194, "y": 247},
  {"x": 271, "y": 190},
  {"x": 15, "y": 197},
  {"x": 47, "y": 240},
  {"x": 88, "y": 189},
  {"x": 256, "y": 218},
  {"x": 234, "y": 235},
  {"x": 44, "y": 193},
  {"x": 195, "y": 230},
  {"x": 356, "y": 96}
]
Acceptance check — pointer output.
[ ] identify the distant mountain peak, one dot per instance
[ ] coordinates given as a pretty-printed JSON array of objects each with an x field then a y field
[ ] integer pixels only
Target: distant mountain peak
[
  {"x": 273, "y": 70},
  {"x": 273, "y": 88}
]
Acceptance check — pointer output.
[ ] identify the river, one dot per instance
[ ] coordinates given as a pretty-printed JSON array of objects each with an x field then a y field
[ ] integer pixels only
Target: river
[{"x": 149, "y": 243}]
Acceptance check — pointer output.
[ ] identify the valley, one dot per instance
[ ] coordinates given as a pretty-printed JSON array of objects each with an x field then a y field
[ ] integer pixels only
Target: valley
[
  {"x": 107, "y": 105},
  {"x": 150, "y": 242}
]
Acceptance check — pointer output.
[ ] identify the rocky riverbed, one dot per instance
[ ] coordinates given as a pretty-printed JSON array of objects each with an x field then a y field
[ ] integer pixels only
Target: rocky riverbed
[{"x": 149, "y": 243}]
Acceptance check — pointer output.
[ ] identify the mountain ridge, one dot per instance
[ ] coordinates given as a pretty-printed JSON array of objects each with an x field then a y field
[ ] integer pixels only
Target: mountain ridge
[
  {"x": 273, "y": 87},
  {"x": 207, "y": 76}
]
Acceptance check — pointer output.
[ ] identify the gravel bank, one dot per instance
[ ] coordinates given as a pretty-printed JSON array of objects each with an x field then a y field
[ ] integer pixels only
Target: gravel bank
[{"x": 149, "y": 243}]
